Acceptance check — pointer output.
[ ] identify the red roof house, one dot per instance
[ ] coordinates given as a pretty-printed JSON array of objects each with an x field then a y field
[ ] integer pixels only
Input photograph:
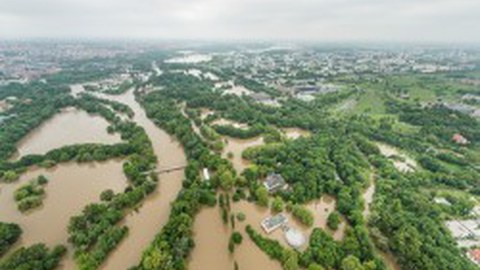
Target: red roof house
[
  {"x": 459, "y": 139},
  {"x": 474, "y": 255}
]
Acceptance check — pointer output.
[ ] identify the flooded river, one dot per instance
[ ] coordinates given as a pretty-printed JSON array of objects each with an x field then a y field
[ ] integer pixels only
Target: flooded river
[
  {"x": 145, "y": 223},
  {"x": 71, "y": 187},
  {"x": 70, "y": 126}
]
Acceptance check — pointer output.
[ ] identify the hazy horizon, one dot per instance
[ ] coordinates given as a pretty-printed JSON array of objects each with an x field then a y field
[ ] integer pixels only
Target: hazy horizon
[{"x": 330, "y": 21}]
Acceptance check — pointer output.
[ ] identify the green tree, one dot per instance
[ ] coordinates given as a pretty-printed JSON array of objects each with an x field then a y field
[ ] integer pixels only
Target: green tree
[
  {"x": 351, "y": 263},
  {"x": 277, "y": 204},
  {"x": 333, "y": 220},
  {"x": 262, "y": 196}
]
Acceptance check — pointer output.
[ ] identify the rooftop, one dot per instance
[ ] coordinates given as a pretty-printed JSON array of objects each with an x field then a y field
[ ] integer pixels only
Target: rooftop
[
  {"x": 274, "y": 182},
  {"x": 270, "y": 224}
]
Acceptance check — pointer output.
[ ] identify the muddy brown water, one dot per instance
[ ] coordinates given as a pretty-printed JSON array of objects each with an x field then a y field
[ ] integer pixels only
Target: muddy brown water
[
  {"x": 71, "y": 186},
  {"x": 211, "y": 236},
  {"x": 148, "y": 220},
  {"x": 294, "y": 133},
  {"x": 70, "y": 126},
  {"x": 236, "y": 147}
]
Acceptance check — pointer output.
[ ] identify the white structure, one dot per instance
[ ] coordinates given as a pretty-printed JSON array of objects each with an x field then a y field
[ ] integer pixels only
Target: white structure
[
  {"x": 294, "y": 238},
  {"x": 206, "y": 174}
]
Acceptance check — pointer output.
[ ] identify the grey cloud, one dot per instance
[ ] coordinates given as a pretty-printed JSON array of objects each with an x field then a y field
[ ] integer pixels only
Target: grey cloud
[{"x": 321, "y": 20}]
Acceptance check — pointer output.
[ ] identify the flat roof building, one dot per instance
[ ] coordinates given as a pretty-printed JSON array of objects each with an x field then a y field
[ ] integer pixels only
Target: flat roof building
[
  {"x": 270, "y": 224},
  {"x": 274, "y": 182}
]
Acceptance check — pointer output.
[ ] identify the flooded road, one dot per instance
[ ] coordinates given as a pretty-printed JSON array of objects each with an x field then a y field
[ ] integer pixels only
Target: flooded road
[
  {"x": 70, "y": 188},
  {"x": 400, "y": 160},
  {"x": 145, "y": 223},
  {"x": 70, "y": 126}
]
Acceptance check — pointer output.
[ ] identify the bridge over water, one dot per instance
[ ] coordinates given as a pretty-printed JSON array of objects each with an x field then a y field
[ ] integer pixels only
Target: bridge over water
[{"x": 169, "y": 169}]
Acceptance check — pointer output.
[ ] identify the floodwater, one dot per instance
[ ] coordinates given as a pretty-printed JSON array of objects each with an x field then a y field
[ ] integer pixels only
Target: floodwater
[
  {"x": 70, "y": 126},
  {"x": 200, "y": 74},
  {"x": 236, "y": 147},
  {"x": 76, "y": 89},
  {"x": 407, "y": 164},
  {"x": 189, "y": 59},
  {"x": 195, "y": 128},
  {"x": 225, "y": 122},
  {"x": 4, "y": 106},
  {"x": 238, "y": 90},
  {"x": 211, "y": 235},
  {"x": 205, "y": 112},
  {"x": 153, "y": 214},
  {"x": 211, "y": 238},
  {"x": 294, "y": 133},
  {"x": 71, "y": 187}
]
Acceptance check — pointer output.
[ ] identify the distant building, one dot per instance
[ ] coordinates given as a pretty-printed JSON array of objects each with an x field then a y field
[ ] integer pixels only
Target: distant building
[
  {"x": 274, "y": 182},
  {"x": 474, "y": 255},
  {"x": 270, "y": 224},
  {"x": 459, "y": 139}
]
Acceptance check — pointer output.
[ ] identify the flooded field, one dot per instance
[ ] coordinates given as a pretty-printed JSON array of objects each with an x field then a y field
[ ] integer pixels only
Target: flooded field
[
  {"x": 236, "y": 147},
  {"x": 204, "y": 112},
  {"x": 4, "y": 106},
  {"x": 238, "y": 90},
  {"x": 224, "y": 122},
  {"x": 192, "y": 58},
  {"x": 400, "y": 160},
  {"x": 70, "y": 126},
  {"x": 71, "y": 186},
  {"x": 211, "y": 76},
  {"x": 294, "y": 133},
  {"x": 211, "y": 241},
  {"x": 211, "y": 236},
  {"x": 145, "y": 223},
  {"x": 76, "y": 89},
  {"x": 194, "y": 72}
]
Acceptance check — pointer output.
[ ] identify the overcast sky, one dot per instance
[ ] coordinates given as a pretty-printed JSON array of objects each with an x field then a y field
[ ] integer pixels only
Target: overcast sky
[{"x": 316, "y": 20}]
